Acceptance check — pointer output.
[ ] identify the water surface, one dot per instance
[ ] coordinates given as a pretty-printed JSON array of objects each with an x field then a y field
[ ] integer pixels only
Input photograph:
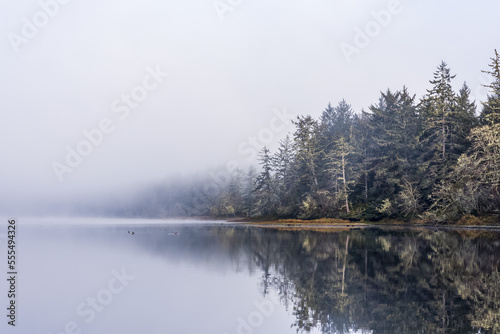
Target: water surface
[{"x": 181, "y": 277}]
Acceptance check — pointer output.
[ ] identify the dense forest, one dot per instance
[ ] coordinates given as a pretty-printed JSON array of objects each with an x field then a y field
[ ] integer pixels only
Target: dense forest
[{"x": 435, "y": 158}]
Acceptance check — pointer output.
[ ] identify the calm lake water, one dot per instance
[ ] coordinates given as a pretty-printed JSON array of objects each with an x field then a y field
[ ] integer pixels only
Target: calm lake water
[{"x": 93, "y": 276}]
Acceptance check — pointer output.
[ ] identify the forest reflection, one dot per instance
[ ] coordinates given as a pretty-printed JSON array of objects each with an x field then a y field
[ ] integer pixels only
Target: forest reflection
[{"x": 376, "y": 281}]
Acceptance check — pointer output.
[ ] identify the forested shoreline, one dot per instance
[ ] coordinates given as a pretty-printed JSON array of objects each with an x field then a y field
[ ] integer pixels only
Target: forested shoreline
[{"x": 435, "y": 158}]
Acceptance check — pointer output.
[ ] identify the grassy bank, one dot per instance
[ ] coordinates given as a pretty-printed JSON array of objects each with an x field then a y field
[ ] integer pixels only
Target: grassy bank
[{"x": 468, "y": 221}]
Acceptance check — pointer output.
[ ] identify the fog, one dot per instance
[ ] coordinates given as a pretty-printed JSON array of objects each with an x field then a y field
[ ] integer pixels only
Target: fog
[{"x": 101, "y": 98}]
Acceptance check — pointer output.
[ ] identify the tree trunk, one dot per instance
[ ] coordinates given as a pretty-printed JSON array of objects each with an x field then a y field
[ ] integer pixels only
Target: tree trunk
[
  {"x": 366, "y": 177},
  {"x": 345, "y": 259},
  {"x": 345, "y": 185},
  {"x": 336, "y": 184},
  {"x": 366, "y": 185},
  {"x": 444, "y": 136}
]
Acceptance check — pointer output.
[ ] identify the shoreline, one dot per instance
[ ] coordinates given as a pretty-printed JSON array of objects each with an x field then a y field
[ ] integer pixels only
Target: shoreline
[{"x": 336, "y": 224}]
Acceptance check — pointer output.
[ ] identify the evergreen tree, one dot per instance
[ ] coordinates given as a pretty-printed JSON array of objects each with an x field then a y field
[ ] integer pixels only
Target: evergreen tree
[
  {"x": 394, "y": 128},
  {"x": 342, "y": 170},
  {"x": 491, "y": 108},
  {"x": 230, "y": 201},
  {"x": 474, "y": 183},
  {"x": 329, "y": 119},
  {"x": 364, "y": 143},
  {"x": 464, "y": 120},
  {"x": 335, "y": 123},
  {"x": 338, "y": 121},
  {"x": 249, "y": 192},
  {"x": 282, "y": 161},
  {"x": 439, "y": 103},
  {"x": 440, "y": 136},
  {"x": 264, "y": 184},
  {"x": 284, "y": 176},
  {"x": 308, "y": 153}
]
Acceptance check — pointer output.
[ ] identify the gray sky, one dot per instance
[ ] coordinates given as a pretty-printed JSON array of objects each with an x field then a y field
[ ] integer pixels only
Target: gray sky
[{"x": 232, "y": 65}]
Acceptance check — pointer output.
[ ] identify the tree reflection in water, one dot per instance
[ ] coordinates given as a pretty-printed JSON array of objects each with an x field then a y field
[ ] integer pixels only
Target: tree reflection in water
[{"x": 375, "y": 281}]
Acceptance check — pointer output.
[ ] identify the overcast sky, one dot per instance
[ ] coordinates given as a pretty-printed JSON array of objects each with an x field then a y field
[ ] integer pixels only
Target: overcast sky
[{"x": 179, "y": 86}]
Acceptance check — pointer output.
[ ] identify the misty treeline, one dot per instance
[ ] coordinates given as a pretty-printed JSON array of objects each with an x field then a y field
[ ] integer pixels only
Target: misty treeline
[{"x": 435, "y": 158}]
